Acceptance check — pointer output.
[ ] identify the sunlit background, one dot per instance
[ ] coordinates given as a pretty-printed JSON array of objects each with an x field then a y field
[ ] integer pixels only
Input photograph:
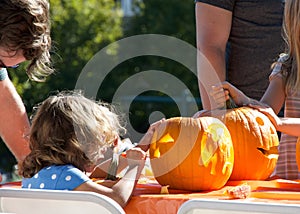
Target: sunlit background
[{"x": 81, "y": 28}]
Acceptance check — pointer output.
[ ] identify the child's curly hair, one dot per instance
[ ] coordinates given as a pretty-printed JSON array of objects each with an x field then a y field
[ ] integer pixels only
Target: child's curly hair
[
  {"x": 25, "y": 25},
  {"x": 70, "y": 129}
]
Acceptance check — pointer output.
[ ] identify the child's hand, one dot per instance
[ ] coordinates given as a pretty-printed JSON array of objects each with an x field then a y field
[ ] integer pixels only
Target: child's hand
[
  {"x": 145, "y": 142},
  {"x": 135, "y": 156}
]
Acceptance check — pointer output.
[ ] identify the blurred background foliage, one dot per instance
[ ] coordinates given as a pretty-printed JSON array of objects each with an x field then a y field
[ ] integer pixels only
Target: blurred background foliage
[{"x": 81, "y": 28}]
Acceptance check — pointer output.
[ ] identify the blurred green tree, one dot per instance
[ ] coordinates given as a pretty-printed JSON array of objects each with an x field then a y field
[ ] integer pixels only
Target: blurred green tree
[
  {"x": 80, "y": 28},
  {"x": 172, "y": 18}
]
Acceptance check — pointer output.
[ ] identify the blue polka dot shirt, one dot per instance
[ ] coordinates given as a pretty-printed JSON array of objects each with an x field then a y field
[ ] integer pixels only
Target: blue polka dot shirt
[
  {"x": 3, "y": 74},
  {"x": 56, "y": 177}
]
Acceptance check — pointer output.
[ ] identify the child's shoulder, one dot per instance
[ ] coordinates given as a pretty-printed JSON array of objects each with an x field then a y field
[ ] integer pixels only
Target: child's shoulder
[
  {"x": 58, "y": 168},
  {"x": 66, "y": 172},
  {"x": 59, "y": 177}
]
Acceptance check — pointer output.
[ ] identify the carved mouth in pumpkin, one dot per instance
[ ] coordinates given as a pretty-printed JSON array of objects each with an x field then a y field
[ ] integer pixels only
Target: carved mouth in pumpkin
[{"x": 271, "y": 153}]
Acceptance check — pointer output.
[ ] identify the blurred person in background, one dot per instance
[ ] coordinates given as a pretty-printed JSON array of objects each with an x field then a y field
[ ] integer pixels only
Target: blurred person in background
[{"x": 24, "y": 36}]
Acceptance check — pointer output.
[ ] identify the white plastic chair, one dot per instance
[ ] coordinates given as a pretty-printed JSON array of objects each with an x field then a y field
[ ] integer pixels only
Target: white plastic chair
[
  {"x": 197, "y": 206},
  {"x": 35, "y": 201}
]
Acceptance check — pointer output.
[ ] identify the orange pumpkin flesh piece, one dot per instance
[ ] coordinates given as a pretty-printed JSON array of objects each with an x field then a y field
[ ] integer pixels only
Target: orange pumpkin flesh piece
[
  {"x": 192, "y": 154},
  {"x": 255, "y": 142}
]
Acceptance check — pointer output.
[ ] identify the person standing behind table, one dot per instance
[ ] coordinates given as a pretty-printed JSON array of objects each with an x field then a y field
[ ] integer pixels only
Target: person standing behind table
[
  {"x": 24, "y": 36},
  {"x": 284, "y": 88},
  {"x": 240, "y": 39}
]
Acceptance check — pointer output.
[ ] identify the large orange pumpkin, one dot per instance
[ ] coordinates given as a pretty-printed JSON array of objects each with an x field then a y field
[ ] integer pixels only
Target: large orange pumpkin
[
  {"x": 298, "y": 153},
  {"x": 255, "y": 142},
  {"x": 192, "y": 154}
]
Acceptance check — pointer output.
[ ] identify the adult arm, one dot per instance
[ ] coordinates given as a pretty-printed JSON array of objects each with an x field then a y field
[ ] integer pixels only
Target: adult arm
[
  {"x": 213, "y": 25},
  {"x": 14, "y": 126}
]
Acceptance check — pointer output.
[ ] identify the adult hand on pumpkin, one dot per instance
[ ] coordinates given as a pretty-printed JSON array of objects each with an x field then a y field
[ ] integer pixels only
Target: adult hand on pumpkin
[{"x": 224, "y": 91}]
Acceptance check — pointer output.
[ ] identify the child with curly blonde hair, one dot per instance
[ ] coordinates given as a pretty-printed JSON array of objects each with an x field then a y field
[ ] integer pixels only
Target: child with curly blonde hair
[{"x": 69, "y": 137}]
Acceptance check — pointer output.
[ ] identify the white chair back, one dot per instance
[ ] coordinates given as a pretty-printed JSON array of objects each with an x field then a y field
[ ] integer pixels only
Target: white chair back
[
  {"x": 208, "y": 206},
  {"x": 36, "y": 201}
]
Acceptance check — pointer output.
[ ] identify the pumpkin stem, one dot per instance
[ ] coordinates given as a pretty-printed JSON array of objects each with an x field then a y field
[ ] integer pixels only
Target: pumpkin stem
[{"x": 230, "y": 104}]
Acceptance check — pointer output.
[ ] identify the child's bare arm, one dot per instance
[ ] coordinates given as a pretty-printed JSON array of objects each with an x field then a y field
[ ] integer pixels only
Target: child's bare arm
[
  {"x": 286, "y": 125},
  {"x": 102, "y": 169},
  {"x": 122, "y": 190},
  {"x": 290, "y": 126}
]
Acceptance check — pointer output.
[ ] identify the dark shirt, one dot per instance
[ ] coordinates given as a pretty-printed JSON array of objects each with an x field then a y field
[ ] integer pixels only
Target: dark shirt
[{"x": 255, "y": 42}]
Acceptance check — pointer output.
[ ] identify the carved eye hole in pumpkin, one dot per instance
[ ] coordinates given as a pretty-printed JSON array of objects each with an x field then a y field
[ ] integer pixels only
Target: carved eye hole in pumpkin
[{"x": 260, "y": 121}]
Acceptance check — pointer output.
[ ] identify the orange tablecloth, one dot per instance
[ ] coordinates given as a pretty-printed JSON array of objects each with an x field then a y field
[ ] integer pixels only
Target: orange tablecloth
[
  {"x": 148, "y": 200},
  {"x": 147, "y": 197}
]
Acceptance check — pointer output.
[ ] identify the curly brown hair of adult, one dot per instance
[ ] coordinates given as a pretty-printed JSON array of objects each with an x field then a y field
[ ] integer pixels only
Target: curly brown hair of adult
[
  {"x": 69, "y": 129},
  {"x": 25, "y": 25}
]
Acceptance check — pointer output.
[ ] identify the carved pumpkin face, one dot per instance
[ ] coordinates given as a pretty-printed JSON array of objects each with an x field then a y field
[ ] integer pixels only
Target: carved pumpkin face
[
  {"x": 255, "y": 142},
  {"x": 192, "y": 154}
]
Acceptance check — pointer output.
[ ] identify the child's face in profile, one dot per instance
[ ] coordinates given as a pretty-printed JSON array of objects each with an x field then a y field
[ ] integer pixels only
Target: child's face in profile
[
  {"x": 105, "y": 154},
  {"x": 118, "y": 147}
]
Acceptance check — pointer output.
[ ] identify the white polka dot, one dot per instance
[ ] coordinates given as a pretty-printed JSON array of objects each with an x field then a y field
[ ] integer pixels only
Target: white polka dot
[
  {"x": 36, "y": 175},
  {"x": 53, "y": 176},
  {"x": 29, "y": 186},
  {"x": 48, "y": 167},
  {"x": 42, "y": 185},
  {"x": 68, "y": 178}
]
